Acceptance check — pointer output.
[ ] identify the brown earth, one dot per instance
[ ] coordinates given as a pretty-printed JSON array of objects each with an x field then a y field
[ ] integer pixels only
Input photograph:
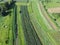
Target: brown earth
[{"x": 54, "y": 10}]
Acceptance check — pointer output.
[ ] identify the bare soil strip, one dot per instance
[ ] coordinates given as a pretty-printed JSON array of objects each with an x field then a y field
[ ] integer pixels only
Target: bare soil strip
[
  {"x": 46, "y": 16},
  {"x": 54, "y": 10}
]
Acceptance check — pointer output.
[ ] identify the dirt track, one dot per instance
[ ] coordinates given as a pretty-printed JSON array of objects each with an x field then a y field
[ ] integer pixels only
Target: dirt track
[
  {"x": 54, "y": 10},
  {"x": 46, "y": 16}
]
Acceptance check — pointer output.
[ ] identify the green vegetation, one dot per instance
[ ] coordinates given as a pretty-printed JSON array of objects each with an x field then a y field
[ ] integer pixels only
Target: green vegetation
[
  {"x": 40, "y": 26},
  {"x": 52, "y": 4},
  {"x": 31, "y": 27},
  {"x": 6, "y": 30}
]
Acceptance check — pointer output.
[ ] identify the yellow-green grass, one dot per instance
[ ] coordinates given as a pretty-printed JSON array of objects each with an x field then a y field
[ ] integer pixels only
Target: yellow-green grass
[
  {"x": 58, "y": 22},
  {"x": 51, "y": 4},
  {"x": 21, "y": 37},
  {"x": 44, "y": 33},
  {"x": 41, "y": 26},
  {"x": 6, "y": 29},
  {"x": 22, "y": 3}
]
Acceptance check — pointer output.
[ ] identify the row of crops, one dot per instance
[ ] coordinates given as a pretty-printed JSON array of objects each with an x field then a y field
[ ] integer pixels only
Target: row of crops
[
  {"x": 48, "y": 35},
  {"x": 26, "y": 31},
  {"x": 54, "y": 16},
  {"x": 26, "y": 25}
]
